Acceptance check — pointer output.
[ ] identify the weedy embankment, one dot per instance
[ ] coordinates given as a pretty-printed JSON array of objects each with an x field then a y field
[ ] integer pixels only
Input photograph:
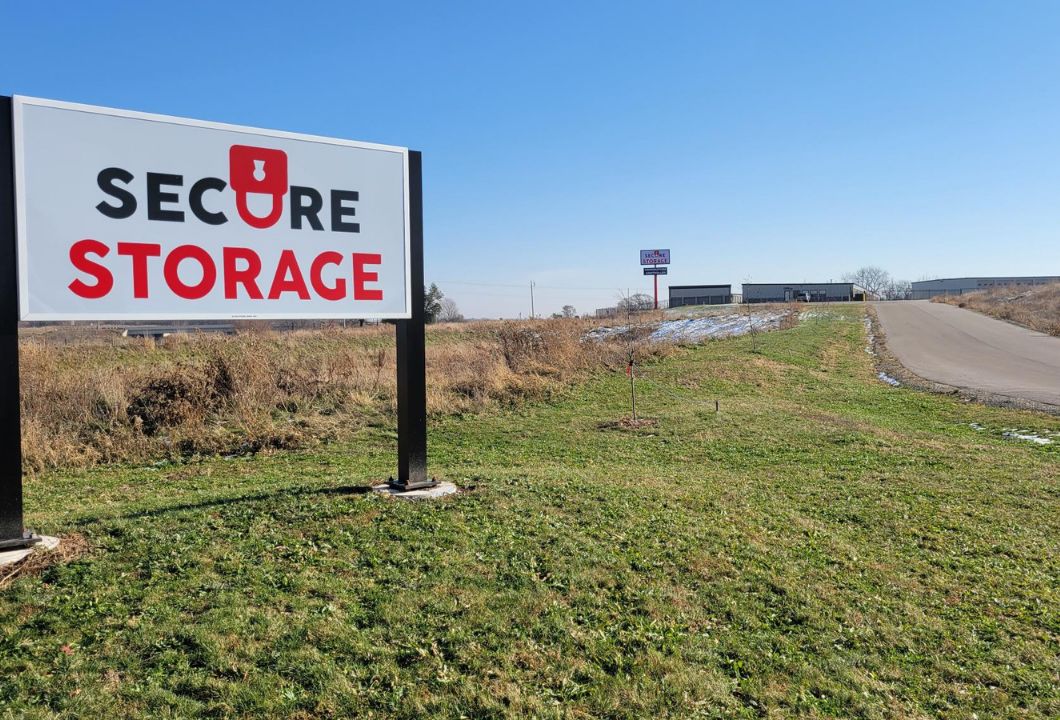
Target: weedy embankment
[
  {"x": 108, "y": 398},
  {"x": 1037, "y": 307}
]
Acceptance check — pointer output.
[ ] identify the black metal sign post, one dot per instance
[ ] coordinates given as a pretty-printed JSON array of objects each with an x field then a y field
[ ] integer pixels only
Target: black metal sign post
[
  {"x": 12, "y": 533},
  {"x": 411, "y": 354}
]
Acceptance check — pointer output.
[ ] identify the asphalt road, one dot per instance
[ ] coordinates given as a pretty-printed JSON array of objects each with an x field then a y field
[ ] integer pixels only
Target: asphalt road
[{"x": 962, "y": 348}]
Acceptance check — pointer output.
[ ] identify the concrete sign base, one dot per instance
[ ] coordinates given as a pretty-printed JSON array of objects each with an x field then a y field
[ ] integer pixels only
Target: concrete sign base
[
  {"x": 10, "y": 557},
  {"x": 440, "y": 490}
]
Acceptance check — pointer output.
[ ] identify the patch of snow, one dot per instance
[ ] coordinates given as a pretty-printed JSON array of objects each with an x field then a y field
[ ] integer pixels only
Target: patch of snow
[
  {"x": 870, "y": 347},
  {"x": 894, "y": 382},
  {"x": 1039, "y": 438},
  {"x": 696, "y": 329},
  {"x": 603, "y": 333},
  {"x": 1014, "y": 434}
]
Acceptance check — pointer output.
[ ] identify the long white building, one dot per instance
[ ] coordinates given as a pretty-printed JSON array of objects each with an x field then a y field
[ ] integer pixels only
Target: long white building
[
  {"x": 924, "y": 289},
  {"x": 804, "y": 292}
]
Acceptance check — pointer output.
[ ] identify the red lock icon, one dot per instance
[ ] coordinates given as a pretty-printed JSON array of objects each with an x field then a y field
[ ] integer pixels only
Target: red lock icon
[{"x": 258, "y": 170}]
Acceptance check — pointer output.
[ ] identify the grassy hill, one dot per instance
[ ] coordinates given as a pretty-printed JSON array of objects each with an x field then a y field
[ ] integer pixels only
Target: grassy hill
[
  {"x": 825, "y": 546},
  {"x": 1036, "y": 307}
]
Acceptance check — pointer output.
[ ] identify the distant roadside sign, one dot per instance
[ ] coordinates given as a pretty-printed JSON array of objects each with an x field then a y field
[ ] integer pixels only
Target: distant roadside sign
[
  {"x": 655, "y": 257},
  {"x": 655, "y": 271}
]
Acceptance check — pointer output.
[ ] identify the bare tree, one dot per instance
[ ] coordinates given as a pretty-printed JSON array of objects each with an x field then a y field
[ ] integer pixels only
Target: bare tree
[
  {"x": 569, "y": 311},
  {"x": 899, "y": 290},
  {"x": 631, "y": 357},
  {"x": 630, "y": 306},
  {"x": 449, "y": 312},
  {"x": 874, "y": 280},
  {"x": 752, "y": 329},
  {"x": 635, "y": 303}
]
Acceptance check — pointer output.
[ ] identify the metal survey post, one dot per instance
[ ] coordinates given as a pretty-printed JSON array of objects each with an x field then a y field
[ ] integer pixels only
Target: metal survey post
[
  {"x": 12, "y": 533},
  {"x": 411, "y": 353}
]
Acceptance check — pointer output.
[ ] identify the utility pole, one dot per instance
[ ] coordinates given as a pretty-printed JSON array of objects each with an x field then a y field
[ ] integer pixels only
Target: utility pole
[{"x": 531, "y": 299}]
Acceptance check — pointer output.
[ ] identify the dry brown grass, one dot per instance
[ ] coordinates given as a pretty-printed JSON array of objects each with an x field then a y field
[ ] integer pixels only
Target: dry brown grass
[
  {"x": 1037, "y": 308},
  {"x": 109, "y": 399}
]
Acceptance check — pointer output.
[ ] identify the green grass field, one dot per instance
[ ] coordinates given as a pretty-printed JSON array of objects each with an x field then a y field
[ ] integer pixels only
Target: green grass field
[{"x": 825, "y": 546}]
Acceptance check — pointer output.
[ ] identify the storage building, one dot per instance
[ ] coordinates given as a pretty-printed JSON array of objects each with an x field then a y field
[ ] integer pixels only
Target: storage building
[
  {"x": 924, "y": 289},
  {"x": 802, "y": 292},
  {"x": 700, "y": 295}
]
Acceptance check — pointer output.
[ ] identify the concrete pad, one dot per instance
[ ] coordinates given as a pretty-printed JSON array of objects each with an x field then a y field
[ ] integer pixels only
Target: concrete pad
[
  {"x": 10, "y": 557},
  {"x": 440, "y": 490}
]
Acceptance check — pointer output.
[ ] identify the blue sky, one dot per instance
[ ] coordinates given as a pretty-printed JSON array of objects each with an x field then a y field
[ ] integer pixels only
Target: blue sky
[{"x": 766, "y": 141}]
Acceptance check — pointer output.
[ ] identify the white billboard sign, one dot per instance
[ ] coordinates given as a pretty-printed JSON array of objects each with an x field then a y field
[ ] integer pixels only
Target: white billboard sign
[
  {"x": 654, "y": 257},
  {"x": 129, "y": 216}
]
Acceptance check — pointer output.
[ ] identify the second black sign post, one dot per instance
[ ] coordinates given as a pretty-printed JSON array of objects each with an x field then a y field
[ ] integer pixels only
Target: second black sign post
[{"x": 412, "y": 353}]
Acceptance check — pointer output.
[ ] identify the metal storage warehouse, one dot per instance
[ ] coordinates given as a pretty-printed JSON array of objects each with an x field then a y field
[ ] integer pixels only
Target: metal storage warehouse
[
  {"x": 807, "y": 292},
  {"x": 700, "y": 295},
  {"x": 924, "y": 289}
]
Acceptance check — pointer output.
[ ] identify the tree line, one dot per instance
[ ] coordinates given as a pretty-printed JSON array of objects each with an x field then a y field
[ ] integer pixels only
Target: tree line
[{"x": 878, "y": 282}]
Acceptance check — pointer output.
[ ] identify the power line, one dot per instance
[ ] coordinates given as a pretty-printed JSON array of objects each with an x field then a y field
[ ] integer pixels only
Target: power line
[
  {"x": 460, "y": 292},
  {"x": 479, "y": 293},
  {"x": 523, "y": 285},
  {"x": 480, "y": 284},
  {"x": 568, "y": 287}
]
